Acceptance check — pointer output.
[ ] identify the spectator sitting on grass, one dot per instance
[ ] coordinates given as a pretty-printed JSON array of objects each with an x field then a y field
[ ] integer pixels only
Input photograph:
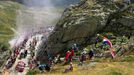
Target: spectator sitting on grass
[{"x": 69, "y": 69}]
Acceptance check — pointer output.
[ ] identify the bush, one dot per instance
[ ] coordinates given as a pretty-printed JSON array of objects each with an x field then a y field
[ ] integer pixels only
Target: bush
[
  {"x": 114, "y": 72},
  {"x": 128, "y": 58},
  {"x": 31, "y": 72},
  {"x": 4, "y": 47}
]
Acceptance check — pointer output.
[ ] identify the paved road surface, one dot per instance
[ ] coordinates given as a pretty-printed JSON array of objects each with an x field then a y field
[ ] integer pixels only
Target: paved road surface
[{"x": 12, "y": 70}]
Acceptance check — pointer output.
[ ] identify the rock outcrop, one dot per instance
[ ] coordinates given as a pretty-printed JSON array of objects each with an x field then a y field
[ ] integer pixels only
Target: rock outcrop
[{"x": 81, "y": 22}]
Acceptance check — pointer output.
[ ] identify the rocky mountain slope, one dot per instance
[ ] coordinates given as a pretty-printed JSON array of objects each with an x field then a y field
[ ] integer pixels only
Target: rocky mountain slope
[{"x": 80, "y": 23}]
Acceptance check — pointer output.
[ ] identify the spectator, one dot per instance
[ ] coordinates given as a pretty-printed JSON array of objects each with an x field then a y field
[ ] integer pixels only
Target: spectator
[
  {"x": 68, "y": 53},
  {"x": 91, "y": 54},
  {"x": 72, "y": 54},
  {"x": 25, "y": 53},
  {"x": 69, "y": 69}
]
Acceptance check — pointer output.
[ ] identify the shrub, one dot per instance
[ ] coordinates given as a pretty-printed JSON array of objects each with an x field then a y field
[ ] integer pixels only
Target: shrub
[
  {"x": 114, "y": 72},
  {"x": 128, "y": 58},
  {"x": 4, "y": 47},
  {"x": 31, "y": 72}
]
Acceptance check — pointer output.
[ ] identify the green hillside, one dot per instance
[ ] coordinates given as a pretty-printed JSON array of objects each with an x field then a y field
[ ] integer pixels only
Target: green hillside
[{"x": 7, "y": 19}]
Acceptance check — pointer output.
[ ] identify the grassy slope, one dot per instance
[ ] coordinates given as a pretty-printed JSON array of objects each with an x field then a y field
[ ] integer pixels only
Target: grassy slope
[
  {"x": 105, "y": 68},
  {"x": 7, "y": 19}
]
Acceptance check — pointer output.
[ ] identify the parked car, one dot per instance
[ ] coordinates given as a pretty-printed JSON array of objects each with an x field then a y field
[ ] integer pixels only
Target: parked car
[{"x": 20, "y": 66}]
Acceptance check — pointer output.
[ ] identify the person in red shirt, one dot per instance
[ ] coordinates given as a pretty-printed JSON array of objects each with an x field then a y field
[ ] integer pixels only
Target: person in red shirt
[
  {"x": 17, "y": 52},
  {"x": 72, "y": 54},
  {"x": 68, "y": 53}
]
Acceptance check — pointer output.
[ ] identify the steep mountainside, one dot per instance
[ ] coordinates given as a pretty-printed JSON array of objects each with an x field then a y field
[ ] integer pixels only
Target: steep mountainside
[{"x": 80, "y": 23}]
